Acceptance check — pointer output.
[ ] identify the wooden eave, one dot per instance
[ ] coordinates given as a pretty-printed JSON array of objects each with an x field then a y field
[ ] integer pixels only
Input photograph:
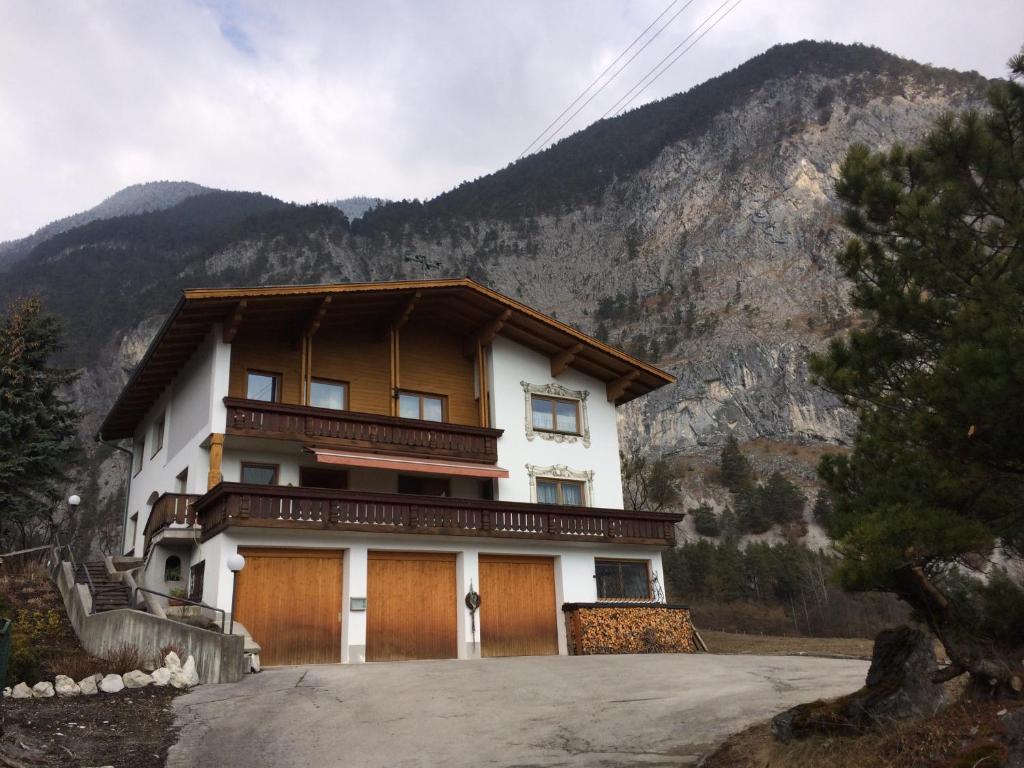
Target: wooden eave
[{"x": 463, "y": 303}]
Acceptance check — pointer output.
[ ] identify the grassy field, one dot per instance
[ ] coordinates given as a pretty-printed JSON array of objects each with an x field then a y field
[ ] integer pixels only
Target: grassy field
[{"x": 730, "y": 642}]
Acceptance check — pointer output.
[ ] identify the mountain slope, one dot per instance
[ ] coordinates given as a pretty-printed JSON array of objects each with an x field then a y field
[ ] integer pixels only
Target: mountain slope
[{"x": 697, "y": 232}]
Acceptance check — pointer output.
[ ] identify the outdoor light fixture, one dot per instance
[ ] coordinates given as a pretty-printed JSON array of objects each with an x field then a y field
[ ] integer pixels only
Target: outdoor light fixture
[
  {"x": 235, "y": 563},
  {"x": 74, "y": 500}
]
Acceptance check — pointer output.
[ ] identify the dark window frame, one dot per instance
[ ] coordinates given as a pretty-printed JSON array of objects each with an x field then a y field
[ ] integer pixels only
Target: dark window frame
[
  {"x": 558, "y": 482},
  {"x": 554, "y": 414},
  {"x": 139, "y": 456},
  {"x": 421, "y": 396},
  {"x": 346, "y": 392},
  {"x": 620, "y": 562},
  {"x": 278, "y": 384},
  {"x": 167, "y": 565},
  {"x": 196, "y": 577},
  {"x": 159, "y": 428},
  {"x": 260, "y": 465}
]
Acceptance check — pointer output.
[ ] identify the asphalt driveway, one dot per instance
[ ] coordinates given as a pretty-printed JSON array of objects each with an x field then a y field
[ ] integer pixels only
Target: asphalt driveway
[{"x": 658, "y": 710}]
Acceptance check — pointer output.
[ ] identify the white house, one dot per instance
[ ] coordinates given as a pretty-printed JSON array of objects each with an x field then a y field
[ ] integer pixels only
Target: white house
[{"x": 377, "y": 452}]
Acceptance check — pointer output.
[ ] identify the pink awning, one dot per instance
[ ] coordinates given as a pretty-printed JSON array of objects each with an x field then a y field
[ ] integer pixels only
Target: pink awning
[{"x": 407, "y": 464}]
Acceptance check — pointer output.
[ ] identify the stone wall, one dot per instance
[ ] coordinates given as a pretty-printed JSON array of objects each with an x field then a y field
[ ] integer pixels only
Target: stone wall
[{"x": 594, "y": 628}]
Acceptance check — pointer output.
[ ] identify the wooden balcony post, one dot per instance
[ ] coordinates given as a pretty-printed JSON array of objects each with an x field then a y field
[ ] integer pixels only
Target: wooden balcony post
[{"x": 216, "y": 455}]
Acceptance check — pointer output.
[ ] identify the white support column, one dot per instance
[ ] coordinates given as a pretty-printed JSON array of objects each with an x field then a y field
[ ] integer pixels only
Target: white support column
[
  {"x": 563, "y": 643},
  {"x": 353, "y": 623},
  {"x": 467, "y": 571}
]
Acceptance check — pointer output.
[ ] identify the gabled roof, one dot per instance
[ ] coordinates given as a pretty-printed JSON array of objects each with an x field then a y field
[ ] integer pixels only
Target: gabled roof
[{"x": 462, "y": 305}]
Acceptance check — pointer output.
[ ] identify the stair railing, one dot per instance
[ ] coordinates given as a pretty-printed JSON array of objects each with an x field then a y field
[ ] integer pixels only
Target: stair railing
[
  {"x": 58, "y": 551},
  {"x": 221, "y": 611}
]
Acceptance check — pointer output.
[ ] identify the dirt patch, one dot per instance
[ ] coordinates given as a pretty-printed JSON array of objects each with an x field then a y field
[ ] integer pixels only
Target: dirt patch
[
  {"x": 131, "y": 729},
  {"x": 774, "y": 645},
  {"x": 965, "y": 734}
]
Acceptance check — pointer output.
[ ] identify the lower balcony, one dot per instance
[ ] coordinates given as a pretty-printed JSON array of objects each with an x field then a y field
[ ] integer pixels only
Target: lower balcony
[
  {"x": 169, "y": 511},
  {"x": 268, "y": 506}
]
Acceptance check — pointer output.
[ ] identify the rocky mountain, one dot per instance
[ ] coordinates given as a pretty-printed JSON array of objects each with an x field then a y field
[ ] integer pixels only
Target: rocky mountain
[{"x": 697, "y": 232}]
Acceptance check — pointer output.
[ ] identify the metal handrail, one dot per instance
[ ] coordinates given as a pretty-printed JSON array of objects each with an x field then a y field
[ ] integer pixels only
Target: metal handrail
[
  {"x": 74, "y": 572},
  {"x": 221, "y": 611}
]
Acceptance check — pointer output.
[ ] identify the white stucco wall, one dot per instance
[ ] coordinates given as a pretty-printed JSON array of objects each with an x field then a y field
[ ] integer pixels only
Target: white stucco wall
[
  {"x": 573, "y": 564},
  {"x": 509, "y": 365},
  {"x": 193, "y": 408}
]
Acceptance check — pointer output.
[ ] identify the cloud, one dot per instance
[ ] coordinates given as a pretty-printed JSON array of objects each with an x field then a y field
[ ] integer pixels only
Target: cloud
[{"x": 319, "y": 100}]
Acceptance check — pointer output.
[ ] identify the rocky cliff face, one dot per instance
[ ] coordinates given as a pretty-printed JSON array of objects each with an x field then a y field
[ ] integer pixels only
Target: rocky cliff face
[{"x": 713, "y": 259}]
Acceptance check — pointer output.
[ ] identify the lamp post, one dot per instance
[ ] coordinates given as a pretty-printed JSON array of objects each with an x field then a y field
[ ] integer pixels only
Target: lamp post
[
  {"x": 74, "y": 500},
  {"x": 235, "y": 563}
]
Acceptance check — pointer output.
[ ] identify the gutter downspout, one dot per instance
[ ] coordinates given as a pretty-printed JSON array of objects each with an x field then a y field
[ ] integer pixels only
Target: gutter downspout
[{"x": 128, "y": 486}]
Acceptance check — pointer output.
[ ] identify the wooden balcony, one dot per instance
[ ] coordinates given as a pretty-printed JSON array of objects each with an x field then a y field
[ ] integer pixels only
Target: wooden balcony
[
  {"x": 170, "y": 509},
  {"x": 329, "y": 428},
  {"x": 271, "y": 506}
]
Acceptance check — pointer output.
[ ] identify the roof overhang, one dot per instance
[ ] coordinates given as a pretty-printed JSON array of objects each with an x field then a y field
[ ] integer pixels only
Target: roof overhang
[{"x": 465, "y": 306}]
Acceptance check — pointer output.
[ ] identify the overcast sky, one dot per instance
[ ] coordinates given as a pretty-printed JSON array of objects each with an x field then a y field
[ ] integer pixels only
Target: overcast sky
[{"x": 320, "y": 100}]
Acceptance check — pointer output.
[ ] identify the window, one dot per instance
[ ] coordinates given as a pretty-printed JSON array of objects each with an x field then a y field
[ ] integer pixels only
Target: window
[
  {"x": 181, "y": 481},
  {"x": 554, "y": 415},
  {"x": 413, "y": 405},
  {"x": 318, "y": 477},
  {"x": 328, "y": 394},
  {"x": 158, "y": 435},
  {"x": 138, "y": 451},
  {"x": 195, "y": 581},
  {"x": 622, "y": 579},
  {"x": 259, "y": 474},
  {"x": 263, "y": 386},
  {"x": 172, "y": 568},
  {"x": 567, "y": 492},
  {"x": 129, "y": 539},
  {"x": 424, "y": 486}
]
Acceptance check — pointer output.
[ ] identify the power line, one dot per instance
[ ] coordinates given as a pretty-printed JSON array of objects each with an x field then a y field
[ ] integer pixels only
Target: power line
[
  {"x": 670, "y": 63},
  {"x": 608, "y": 82}
]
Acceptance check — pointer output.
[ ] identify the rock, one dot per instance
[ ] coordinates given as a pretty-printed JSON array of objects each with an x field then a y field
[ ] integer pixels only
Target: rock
[
  {"x": 899, "y": 685},
  {"x": 42, "y": 690},
  {"x": 136, "y": 679},
  {"x": 112, "y": 684},
  {"x": 7, "y": 692},
  {"x": 87, "y": 685},
  {"x": 172, "y": 662},
  {"x": 161, "y": 676},
  {"x": 65, "y": 686},
  {"x": 21, "y": 691},
  {"x": 186, "y": 676}
]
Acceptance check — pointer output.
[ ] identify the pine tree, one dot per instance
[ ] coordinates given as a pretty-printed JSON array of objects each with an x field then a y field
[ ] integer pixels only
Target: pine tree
[
  {"x": 936, "y": 475},
  {"x": 38, "y": 426},
  {"x": 783, "y": 502},
  {"x": 735, "y": 469}
]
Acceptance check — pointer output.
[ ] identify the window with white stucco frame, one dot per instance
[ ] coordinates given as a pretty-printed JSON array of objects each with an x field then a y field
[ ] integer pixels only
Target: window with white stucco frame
[
  {"x": 556, "y": 393},
  {"x": 558, "y": 474}
]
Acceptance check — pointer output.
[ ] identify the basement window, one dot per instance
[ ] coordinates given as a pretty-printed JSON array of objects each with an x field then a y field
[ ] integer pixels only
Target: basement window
[{"x": 622, "y": 579}]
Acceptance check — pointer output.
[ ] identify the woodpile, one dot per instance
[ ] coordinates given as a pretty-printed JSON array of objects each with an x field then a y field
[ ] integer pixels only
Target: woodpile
[{"x": 596, "y": 628}]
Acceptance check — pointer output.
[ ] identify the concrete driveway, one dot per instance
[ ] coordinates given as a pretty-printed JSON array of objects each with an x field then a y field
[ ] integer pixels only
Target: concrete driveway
[{"x": 659, "y": 710}]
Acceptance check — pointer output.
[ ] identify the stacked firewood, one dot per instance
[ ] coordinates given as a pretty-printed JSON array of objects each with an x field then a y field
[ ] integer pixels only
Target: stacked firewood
[{"x": 629, "y": 629}]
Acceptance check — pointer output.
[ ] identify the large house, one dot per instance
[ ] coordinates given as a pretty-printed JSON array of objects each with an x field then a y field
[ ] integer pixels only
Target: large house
[{"x": 378, "y": 452}]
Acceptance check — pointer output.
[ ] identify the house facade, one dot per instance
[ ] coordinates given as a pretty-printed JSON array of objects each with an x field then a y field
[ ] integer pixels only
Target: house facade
[{"x": 378, "y": 452}]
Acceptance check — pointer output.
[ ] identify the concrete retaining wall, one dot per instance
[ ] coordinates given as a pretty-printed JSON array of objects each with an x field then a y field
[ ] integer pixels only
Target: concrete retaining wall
[{"x": 218, "y": 657}]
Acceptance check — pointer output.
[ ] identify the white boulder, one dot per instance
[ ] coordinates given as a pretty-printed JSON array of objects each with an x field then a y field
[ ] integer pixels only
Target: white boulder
[
  {"x": 21, "y": 691},
  {"x": 65, "y": 686},
  {"x": 112, "y": 684},
  {"x": 136, "y": 679},
  {"x": 161, "y": 676},
  {"x": 87, "y": 685},
  {"x": 172, "y": 662},
  {"x": 186, "y": 677},
  {"x": 42, "y": 690},
  {"x": 7, "y": 692}
]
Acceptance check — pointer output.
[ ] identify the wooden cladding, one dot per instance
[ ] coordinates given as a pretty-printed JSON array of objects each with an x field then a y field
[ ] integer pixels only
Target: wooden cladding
[
  {"x": 328, "y": 428},
  {"x": 170, "y": 509},
  {"x": 410, "y": 606},
  {"x": 517, "y": 606},
  {"x": 290, "y": 599},
  {"x": 235, "y": 504}
]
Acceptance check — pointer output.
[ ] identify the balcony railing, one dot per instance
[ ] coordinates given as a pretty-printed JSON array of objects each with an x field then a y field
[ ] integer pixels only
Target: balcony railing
[
  {"x": 170, "y": 509},
  {"x": 237, "y": 504},
  {"x": 364, "y": 431}
]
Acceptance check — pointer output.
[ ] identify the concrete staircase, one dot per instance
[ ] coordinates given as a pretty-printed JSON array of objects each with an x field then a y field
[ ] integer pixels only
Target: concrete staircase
[{"x": 109, "y": 594}]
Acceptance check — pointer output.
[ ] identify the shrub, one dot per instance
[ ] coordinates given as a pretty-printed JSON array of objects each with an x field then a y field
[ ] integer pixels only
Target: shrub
[
  {"x": 706, "y": 521},
  {"x": 124, "y": 658},
  {"x": 181, "y": 652},
  {"x": 74, "y": 665}
]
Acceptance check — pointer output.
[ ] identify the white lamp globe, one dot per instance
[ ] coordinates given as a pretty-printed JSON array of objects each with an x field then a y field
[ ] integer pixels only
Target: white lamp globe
[
  {"x": 236, "y": 563},
  {"x": 74, "y": 500}
]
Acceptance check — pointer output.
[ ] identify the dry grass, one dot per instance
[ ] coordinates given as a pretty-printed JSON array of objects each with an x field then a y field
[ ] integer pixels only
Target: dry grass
[
  {"x": 964, "y": 735},
  {"x": 775, "y": 645}
]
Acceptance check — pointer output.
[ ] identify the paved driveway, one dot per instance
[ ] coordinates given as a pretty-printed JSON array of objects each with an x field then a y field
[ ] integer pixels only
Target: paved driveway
[{"x": 661, "y": 710}]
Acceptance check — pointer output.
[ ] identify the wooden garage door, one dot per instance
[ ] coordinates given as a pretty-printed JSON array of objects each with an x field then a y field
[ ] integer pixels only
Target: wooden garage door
[
  {"x": 290, "y": 601},
  {"x": 517, "y": 606},
  {"x": 410, "y": 606}
]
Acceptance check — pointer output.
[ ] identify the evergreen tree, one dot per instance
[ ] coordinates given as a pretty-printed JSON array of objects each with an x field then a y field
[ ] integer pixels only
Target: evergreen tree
[
  {"x": 735, "y": 469},
  {"x": 782, "y": 501},
  {"x": 936, "y": 475},
  {"x": 38, "y": 426},
  {"x": 822, "y": 511},
  {"x": 706, "y": 521}
]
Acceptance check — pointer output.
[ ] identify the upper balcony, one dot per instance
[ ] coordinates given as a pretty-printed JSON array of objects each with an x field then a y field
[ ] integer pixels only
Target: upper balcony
[{"x": 376, "y": 433}]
